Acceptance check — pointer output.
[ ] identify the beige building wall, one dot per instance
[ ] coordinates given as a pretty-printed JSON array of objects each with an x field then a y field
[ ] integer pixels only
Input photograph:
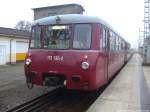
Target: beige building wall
[
  {"x": 8, "y": 45},
  {"x": 22, "y": 46}
]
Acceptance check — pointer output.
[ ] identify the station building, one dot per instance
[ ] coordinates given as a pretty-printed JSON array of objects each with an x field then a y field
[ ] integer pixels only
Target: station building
[
  {"x": 42, "y": 12},
  {"x": 13, "y": 45}
]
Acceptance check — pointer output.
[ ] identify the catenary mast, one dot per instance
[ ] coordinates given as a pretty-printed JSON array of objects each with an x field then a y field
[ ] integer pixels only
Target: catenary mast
[{"x": 146, "y": 36}]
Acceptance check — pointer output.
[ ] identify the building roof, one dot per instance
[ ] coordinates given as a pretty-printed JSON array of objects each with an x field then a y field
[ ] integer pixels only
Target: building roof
[
  {"x": 59, "y": 6},
  {"x": 14, "y": 32}
]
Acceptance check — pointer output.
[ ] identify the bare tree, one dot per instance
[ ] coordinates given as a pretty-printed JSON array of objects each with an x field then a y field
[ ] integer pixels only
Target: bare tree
[{"x": 23, "y": 25}]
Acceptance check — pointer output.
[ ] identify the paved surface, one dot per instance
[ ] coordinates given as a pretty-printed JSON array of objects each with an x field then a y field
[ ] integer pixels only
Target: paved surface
[
  {"x": 11, "y": 75},
  {"x": 128, "y": 92},
  {"x": 13, "y": 90}
]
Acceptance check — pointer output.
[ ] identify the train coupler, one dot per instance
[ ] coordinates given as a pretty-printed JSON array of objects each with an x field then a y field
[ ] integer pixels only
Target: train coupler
[
  {"x": 29, "y": 81},
  {"x": 54, "y": 80}
]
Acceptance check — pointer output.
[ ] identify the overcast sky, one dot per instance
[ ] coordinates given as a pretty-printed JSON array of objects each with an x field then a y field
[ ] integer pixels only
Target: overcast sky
[{"x": 124, "y": 15}]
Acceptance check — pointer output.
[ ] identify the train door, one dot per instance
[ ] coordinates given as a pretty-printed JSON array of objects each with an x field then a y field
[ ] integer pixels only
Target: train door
[
  {"x": 105, "y": 34},
  {"x": 112, "y": 50},
  {"x": 107, "y": 53}
]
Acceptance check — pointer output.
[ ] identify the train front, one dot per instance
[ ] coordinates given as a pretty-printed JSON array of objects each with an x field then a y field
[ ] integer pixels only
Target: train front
[{"x": 61, "y": 55}]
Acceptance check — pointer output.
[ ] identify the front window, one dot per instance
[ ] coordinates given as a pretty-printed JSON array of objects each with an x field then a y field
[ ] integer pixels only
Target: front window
[
  {"x": 82, "y": 36},
  {"x": 36, "y": 37},
  {"x": 51, "y": 37},
  {"x": 55, "y": 37}
]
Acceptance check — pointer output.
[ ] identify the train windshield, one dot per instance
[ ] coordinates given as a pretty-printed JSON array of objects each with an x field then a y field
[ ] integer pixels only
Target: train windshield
[
  {"x": 82, "y": 36},
  {"x": 58, "y": 37},
  {"x": 51, "y": 37}
]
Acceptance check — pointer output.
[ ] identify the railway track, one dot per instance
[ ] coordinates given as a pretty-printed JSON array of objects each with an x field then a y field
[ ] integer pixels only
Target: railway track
[{"x": 39, "y": 103}]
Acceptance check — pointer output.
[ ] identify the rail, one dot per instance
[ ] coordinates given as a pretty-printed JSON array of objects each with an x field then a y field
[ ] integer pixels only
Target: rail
[{"x": 38, "y": 103}]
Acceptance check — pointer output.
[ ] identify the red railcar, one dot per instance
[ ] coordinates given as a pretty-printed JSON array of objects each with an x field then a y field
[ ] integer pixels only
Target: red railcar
[{"x": 77, "y": 51}]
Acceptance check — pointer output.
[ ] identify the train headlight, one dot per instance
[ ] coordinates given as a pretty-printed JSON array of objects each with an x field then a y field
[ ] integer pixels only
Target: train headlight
[
  {"x": 28, "y": 61},
  {"x": 85, "y": 65}
]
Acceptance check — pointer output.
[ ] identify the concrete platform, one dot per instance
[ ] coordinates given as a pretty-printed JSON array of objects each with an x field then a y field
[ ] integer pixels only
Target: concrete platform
[{"x": 128, "y": 92}]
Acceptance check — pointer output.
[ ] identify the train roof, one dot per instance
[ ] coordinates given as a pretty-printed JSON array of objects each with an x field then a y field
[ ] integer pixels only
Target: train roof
[
  {"x": 69, "y": 18},
  {"x": 72, "y": 18}
]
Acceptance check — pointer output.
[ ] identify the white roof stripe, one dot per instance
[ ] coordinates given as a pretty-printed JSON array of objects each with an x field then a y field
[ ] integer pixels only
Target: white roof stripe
[
  {"x": 72, "y": 18},
  {"x": 69, "y": 18}
]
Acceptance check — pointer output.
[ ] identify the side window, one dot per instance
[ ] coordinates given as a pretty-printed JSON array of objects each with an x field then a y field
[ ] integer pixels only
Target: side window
[
  {"x": 104, "y": 38},
  {"x": 120, "y": 44},
  {"x": 101, "y": 37},
  {"x": 124, "y": 45},
  {"x": 112, "y": 41},
  {"x": 117, "y": 43}
]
